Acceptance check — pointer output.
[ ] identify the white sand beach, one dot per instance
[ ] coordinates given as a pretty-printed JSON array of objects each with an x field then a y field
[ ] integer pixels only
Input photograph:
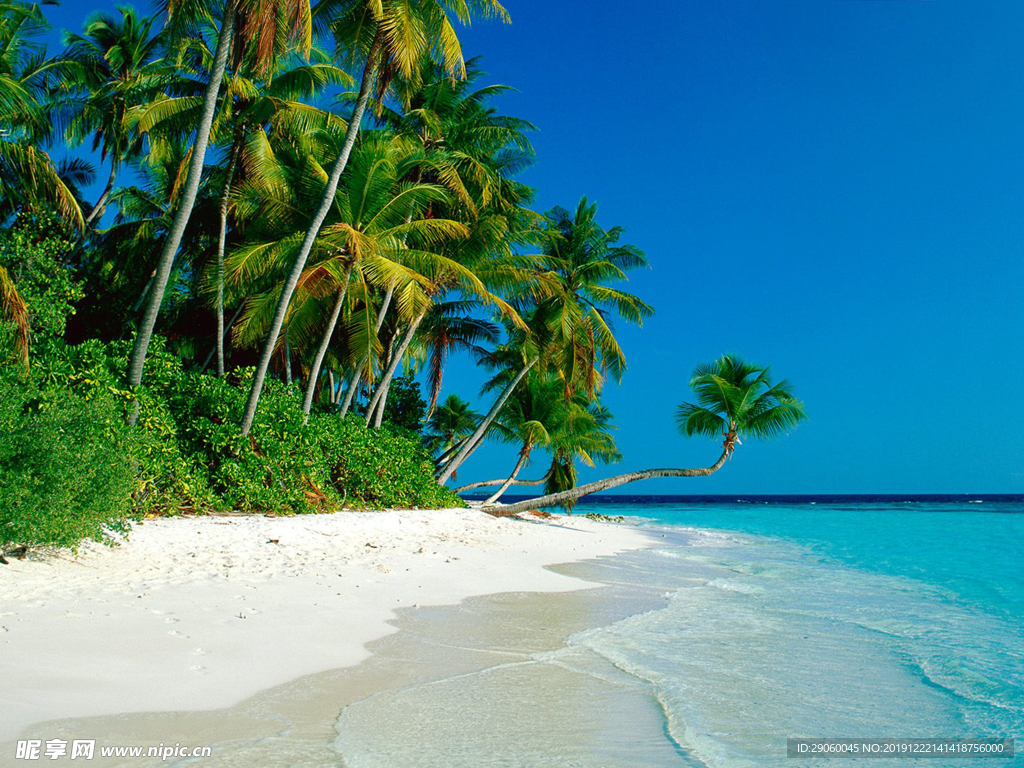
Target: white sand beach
[{"x": 198, "y": 613}]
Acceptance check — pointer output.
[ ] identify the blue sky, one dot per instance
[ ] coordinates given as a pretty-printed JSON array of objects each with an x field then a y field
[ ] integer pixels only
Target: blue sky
[{"x": 833, "y": 187}]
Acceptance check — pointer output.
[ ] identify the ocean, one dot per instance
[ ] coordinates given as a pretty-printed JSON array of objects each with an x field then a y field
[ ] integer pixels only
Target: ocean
[{"x": 819, "y": 617}]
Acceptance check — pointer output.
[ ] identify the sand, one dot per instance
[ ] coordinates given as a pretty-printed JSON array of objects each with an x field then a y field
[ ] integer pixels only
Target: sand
[{"x": 199, "y": 613}]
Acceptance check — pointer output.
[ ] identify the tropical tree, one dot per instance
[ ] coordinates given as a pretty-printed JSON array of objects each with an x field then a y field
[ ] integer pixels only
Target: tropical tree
[
  {"x": 259, "y": 29},
  {"x": 28, "y": 177},
  {"x": 472, "y": 151},
  {"x": 734, "y": 399},
  {"x": 104, "y": 73},
  {"x": 451, "y": 422},
  {"x": 368, "y": 235},
  {"x": 387, "y": 36},
  {"x": 538, "y": 416},
  {"x": 570, "y": 332}
]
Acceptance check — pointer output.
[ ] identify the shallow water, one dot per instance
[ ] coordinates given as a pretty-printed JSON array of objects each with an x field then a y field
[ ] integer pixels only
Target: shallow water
[{"x": 843, "y": 619}]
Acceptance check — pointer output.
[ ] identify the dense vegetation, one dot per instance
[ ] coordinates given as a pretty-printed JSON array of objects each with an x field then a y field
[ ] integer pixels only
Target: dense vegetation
[
  {"x": 296, "y": 205},
  {"x": 305, "y": 209}
]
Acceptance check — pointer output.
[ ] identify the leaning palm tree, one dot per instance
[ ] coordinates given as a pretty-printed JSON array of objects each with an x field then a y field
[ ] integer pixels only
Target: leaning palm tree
[
  {"x": 260, "y": 30},
  {"x": 538, "y": 416},
  {"x": 387, "y": 36},
  {"x": 569, "y": 324},
  {"x": 734, "y": 399},
  {"x": 451, "y": 422}
]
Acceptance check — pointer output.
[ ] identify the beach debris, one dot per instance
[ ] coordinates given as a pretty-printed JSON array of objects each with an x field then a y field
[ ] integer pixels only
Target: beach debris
[
  {"x": 372, "y": 546},
  {"x": 540, "y": 513},
  {"x": 273, "y": 541},
  {"x": 18, "y": 552}
]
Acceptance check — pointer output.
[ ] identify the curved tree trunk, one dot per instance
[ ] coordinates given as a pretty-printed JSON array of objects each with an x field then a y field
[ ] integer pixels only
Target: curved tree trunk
[
  {"x": 602, "y": 485},
  {"x": 95, "y": 212},
  {"x": 396, "y": 360},
  {"x": 314, "y": 229},
  {"x": 325, "y": 342},
  {"x": 524, "y": 456},
  {"x": 477, "y": 437},
  {"x": 354, "y": 383},
  {"x": 378, "y": 419},
  {"x": 222, "y": 238},
  {"x": 184, "y": 212},
  {"x": 499, "y": 481}
]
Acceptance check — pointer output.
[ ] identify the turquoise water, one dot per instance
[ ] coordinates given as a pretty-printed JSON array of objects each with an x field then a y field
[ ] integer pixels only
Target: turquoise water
[{"x": 848, "y": 618}]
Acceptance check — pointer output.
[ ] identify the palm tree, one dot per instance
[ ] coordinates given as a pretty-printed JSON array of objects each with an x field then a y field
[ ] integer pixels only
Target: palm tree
[
  {"x": 146, "y": 212},
  {"x": 586, "y": 437},
  {"x": 368, "y": 234},
  {"x": 449, "y": 424},
  {"x": 734, "y": 399},
  {"x": 275, "y": 99},
  {"x": 28, "y": 177},
  {"x": 569, "y": 324},
  {"x": 259, "y": 30},
  {"x": 538, "y": 416},
  {"x": 103, "y": 74},
  {"x": 389, "y": 36}
]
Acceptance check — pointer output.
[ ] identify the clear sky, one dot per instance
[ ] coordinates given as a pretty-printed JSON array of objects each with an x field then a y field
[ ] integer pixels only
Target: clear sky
[{"x": 832, "y": 187}]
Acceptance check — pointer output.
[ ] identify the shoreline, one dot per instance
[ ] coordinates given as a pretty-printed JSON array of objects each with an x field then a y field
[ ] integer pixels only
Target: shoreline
[{"x": 218, "y": 609}]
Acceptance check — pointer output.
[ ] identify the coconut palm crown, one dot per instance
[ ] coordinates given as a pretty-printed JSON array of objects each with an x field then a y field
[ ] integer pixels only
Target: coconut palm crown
[{"x": 736, "y": 398}]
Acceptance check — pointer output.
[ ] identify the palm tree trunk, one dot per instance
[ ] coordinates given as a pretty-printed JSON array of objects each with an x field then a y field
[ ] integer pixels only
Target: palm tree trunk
[
  {"x": 350, "y": 393},
  {"x": 227, "y": 330},
  {"x": 524, "y": 456},
  {"x": 354, "y": 384},
  {"x": 396, "y": 360},
  {"x": 222, "y": 239},
  {"x": 378, "y": 419},
  {"x": 477, "y": 437},
  {"x": 485, "y": 483},
  {"x": 453, "y": 450},
  {"x": 99, "y": 203},
  {"x": 602, "y": 485},
  {"x": 314, "y": 229},
  {"x": 287, "y": 360},
  {"x": 188, "y": 201},
  {"x": 330, "y": 383},
  {"x": 325, "y": 342}
]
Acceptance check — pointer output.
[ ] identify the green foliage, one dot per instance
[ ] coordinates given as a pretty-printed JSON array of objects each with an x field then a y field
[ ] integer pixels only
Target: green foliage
[
  {"x": 34, "y": 252},
  {"x": 735, "y": 397},
  {"x": 405, "y": 406},
  {"x": 66, "y": 469},
  {"x": 189, "y": 455},
  {"x": 388, "y": 467}
]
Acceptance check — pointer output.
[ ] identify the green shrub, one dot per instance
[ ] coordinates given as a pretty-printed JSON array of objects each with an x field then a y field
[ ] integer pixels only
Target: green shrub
[
  {"x": 386, "y": 467},
  {"x": 70, "y": 468},
  {"x": 65, "y": 467},
  {"x": 190, "y": 454}
]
